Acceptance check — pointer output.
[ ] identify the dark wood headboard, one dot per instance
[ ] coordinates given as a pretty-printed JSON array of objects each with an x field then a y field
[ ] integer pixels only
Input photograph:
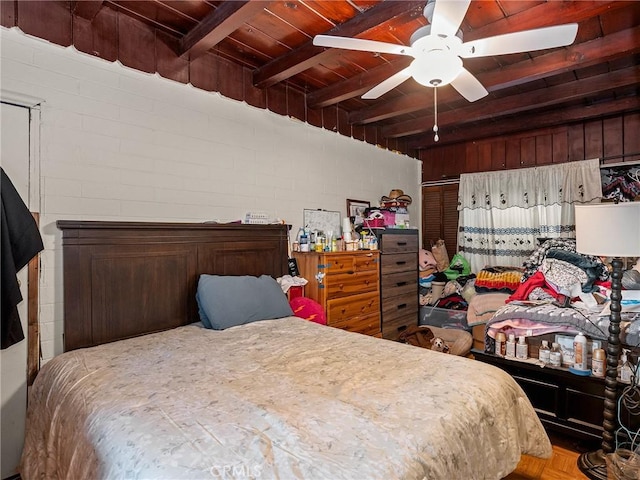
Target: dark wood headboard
[{"x": 124, "y": 279}]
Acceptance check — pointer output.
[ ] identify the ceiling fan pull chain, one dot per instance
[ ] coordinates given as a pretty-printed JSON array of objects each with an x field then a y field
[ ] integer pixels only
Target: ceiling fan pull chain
[{"x": 435, "y": 110}]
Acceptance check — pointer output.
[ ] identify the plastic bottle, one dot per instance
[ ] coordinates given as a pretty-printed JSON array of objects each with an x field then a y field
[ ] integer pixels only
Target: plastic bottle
[
  {"x": 511, "y": 346},
  {"x": 500, "y": 344},
  {"x": 624, "y": 374},
  {"x": 580, "y": 352},
  {"x": 522, "y": 349},
  {"x": 555, "y": 357},
  {"x": 598, "y": 363},
  {"x": 544, "y": 354},
  {"x": 304, "y": 243}
]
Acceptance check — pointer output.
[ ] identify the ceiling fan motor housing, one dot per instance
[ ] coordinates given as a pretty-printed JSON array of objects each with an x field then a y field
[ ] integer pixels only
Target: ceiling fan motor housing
[{"x": 436, "y": 60}]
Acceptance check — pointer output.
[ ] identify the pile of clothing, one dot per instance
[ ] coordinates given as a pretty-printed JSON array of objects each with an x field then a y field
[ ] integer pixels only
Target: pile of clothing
[{"x": 556, "y": 271}]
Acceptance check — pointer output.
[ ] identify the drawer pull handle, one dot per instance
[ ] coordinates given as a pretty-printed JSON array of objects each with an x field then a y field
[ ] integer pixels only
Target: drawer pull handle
[
  {"x": 401, "y": 263},
  {"x": 402, "y": 327},
  {"x": 401, "y": 284},
  {"x": 401, "y": 244},
  {"x": 401, "y": 306}
]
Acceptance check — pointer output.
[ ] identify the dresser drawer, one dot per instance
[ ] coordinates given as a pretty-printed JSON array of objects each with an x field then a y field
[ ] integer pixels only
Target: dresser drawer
[
  {"x": 396, "y": 307},
  {"x": 344, "y": 284},
  {"x": 348, "y": 308},
  {"x": 337, "y": 264},
  {"x": 369, "y": 325},
  {"x": 401, "y": 242},
  {"x": 399, "y": 262},
  {"x": 367, "y": 262},
  {"x": 391, "y": 330},
  {"x": 403, "y": 283}
]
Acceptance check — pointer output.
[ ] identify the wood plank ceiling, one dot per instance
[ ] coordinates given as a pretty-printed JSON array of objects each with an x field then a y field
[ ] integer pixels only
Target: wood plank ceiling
[{"x": 262, "y": 52}]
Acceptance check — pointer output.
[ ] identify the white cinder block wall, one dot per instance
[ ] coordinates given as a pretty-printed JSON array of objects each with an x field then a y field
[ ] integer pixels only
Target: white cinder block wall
[{"x": 116, "y": 144}]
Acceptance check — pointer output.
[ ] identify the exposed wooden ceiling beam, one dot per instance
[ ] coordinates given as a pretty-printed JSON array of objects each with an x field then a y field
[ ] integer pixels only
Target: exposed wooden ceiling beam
[
  {"x": 308, "y": 55},
  {"x": 522, "y": 103},
  {"x": 540, "y": 120},
  {"x": 221, "y": 22},
  {"x": 544, "y": 15},
  {"x": 577, "y": 56},
  {"x": 87, "y": 9},
  {"x": 356, "y": 85}
]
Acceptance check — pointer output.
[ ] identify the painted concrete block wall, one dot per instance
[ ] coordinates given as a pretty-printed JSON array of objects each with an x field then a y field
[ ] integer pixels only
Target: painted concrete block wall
[{"x": 117, "y": 144}]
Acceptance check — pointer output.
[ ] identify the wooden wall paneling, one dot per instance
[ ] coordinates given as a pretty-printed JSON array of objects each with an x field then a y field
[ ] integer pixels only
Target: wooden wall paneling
[
  {"x": 632, "y": 137},
  {"x": 313, "y": 116},
  {"x": 344, "y": 127},
  {"x": 99, "y": 36},
  {"x": 498, "y": 154},
  {"x": 471, "y": 158},
  {"x": 8, "y": 14},
  {"x": 432, "y": 164},
  {"x": 296, "y": 104},
  {"x": 168, "y": 63},
  {"x": 512, "y": 154},
  {"x": 254, "y": 96},
  {"x": 560, "y": 147},
  {"x": 528, "y": 152},
  {"x": 575, "y": 140},
  {"x": 330, "y": 118},
  {"x": 230, "y": 79},
  {"x": 203, "y": 73},
  {"x": 277, "y": 99},
  {"x": 49, "y": 20},
  {"x": 612, "y": 137},
  {"x": 484, "y": 156},
  {"x": 358, "y": 132},
  {"x": 593, "y": 139},
  {"x": 453, "y": 160},
  {"x": 135, "y": 39},
  {"x": 544, "y": 149},
  {"x": 371, "y": 134}
]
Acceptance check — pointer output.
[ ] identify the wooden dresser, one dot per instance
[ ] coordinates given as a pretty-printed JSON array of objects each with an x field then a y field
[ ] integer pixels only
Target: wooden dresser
[
  {"x": 347, "y": 285},
  {"x": 399, "y": 280}
]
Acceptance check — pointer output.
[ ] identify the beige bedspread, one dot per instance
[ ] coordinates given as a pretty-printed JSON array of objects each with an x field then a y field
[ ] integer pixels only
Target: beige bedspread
[{"x": 277, "y": 399}]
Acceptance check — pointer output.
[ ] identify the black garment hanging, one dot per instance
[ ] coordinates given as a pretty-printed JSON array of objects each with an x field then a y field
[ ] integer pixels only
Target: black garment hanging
[{"x": 21, "y": 242}]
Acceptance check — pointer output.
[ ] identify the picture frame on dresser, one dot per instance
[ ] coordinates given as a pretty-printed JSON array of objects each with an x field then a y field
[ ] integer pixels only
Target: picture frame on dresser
[{"x": 355, "y": 210}]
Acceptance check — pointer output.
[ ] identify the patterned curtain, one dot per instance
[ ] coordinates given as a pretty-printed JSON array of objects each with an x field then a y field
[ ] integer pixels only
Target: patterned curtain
[{"x": 504, "y": 214}]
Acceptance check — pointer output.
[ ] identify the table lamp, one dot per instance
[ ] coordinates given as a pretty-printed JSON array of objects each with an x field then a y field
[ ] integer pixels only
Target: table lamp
[{"x": 608, "y": 230}]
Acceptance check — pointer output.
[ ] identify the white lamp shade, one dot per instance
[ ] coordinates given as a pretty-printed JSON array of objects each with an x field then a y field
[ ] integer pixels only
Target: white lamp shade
[{"x": 608, "y": 229}]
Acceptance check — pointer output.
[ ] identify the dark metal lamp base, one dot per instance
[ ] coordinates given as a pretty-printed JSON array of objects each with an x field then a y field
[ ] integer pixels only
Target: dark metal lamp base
[{"x": 593, "y": 465}]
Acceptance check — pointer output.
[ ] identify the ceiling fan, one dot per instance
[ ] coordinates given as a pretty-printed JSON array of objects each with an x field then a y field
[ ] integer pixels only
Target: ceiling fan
[{"x": 438, "y": 49}]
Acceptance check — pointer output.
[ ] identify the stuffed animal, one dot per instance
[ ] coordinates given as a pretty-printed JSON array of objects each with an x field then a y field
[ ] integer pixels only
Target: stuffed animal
[
  {"x": 426, "y": 261},
  {"x": 439, "y": 345}
]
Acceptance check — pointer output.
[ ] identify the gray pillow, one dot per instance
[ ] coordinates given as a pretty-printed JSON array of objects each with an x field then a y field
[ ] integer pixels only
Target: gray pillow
[{"x": 227, "y": 301}]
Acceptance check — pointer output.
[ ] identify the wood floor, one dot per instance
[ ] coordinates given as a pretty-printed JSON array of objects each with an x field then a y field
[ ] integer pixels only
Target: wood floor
[{"x": 563, "y": 464}]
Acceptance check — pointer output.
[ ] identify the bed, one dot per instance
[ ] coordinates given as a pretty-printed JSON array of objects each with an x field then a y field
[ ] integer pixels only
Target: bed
[{"x": 143, "y": 390}]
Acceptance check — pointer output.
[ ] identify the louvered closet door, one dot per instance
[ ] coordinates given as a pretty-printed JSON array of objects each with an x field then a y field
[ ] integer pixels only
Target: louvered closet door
[{"x": 440, "y": 216}]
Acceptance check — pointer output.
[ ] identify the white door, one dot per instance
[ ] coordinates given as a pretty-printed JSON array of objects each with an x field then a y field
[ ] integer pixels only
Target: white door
[{"x": 14, "y": 159}]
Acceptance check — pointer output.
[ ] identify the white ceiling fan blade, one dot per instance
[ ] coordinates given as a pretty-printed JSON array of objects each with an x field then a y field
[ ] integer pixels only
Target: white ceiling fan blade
[
  {"x": 389, "y": 84},
  {"x": 448, "y": 15},
  {"x": 525, "y": 41},
  {"x": 360, "y": 44},
  {"x": 469, "y": 86}
]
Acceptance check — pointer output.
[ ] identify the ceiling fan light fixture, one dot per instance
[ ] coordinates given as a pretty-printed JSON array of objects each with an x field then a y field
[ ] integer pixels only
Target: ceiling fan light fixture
[{"x": 436, "y": 68}]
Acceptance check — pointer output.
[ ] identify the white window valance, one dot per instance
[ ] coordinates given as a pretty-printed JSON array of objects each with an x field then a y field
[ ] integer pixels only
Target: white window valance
[{"x": 569, "y": 182}]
